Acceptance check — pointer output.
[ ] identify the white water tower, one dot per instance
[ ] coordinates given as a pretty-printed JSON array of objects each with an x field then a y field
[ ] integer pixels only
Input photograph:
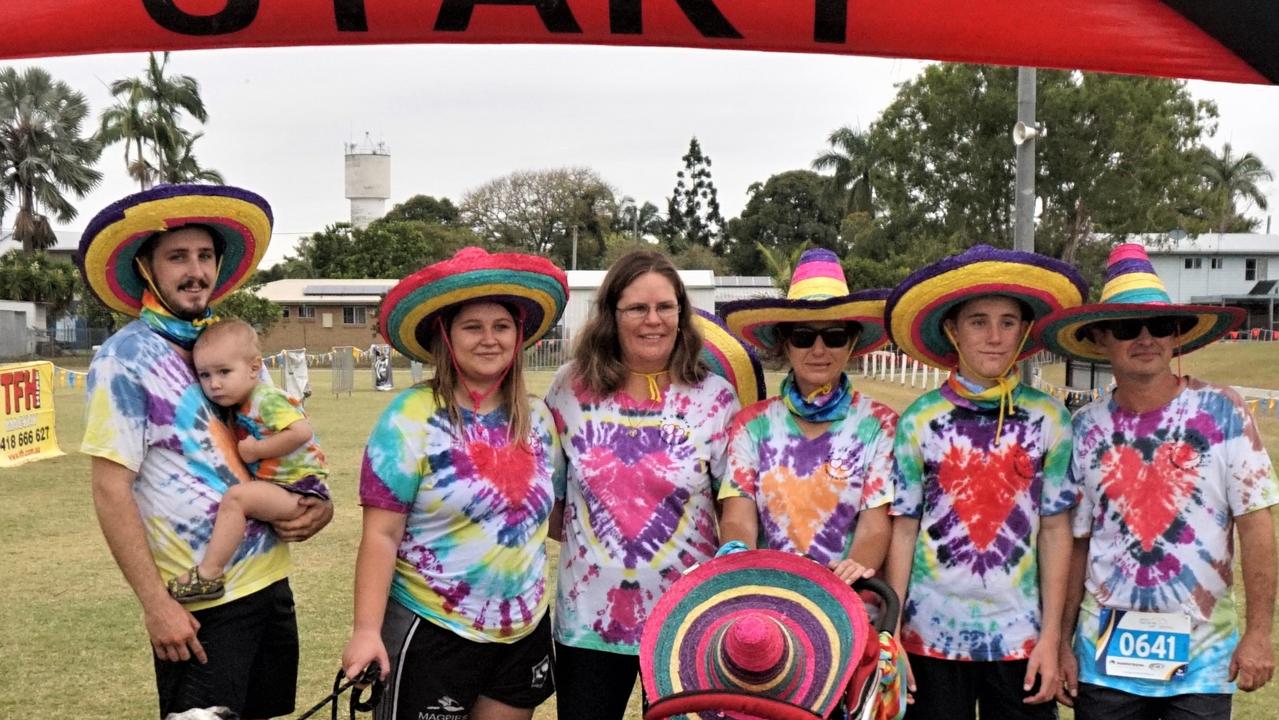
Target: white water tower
[{"x": 368, "y": 180}]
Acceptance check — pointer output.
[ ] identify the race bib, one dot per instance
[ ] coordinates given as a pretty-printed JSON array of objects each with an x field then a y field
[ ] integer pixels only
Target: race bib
[{"x": 1151, "y": 646}]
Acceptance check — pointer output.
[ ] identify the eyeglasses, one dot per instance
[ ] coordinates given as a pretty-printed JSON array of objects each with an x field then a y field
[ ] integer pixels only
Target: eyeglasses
[
  {"x": 1160, "y": 327},
  {"x": 804, "y": 337},
  {"x": 666, "y": 311}
]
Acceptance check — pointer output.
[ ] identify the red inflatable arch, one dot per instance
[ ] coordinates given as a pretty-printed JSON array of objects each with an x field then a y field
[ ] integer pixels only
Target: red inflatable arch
[{"x": 1229, "y": 40}]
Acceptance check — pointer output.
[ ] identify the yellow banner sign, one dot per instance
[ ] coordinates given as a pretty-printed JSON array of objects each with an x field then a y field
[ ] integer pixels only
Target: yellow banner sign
[{"x": 27, "y": 430}]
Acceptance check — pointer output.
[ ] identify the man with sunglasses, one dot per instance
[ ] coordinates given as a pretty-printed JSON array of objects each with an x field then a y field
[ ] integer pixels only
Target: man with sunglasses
[
  {"x": 1170, "y": 466},
  {"x": 980, "y": 529}
]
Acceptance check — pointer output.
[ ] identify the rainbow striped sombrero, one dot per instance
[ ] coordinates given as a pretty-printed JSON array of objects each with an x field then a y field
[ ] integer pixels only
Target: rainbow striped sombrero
[
  {"x": 241, "y": 221},
  {"x": 730, "y": 358},
  {"x": 1133, "y": 290},
  {"x": 531, "y": 283},
  {"x": 818, "y": 292},
  {"x": 763, "y": 633},
  {"x": 919, "y": 303}
]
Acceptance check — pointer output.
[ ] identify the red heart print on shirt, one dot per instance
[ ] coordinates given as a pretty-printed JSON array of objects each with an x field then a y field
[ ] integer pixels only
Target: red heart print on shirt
[
  {"x": 1149, "y": 495},
  {"x": 983, "y": 487},
  {"x": 508, "y": 468}
]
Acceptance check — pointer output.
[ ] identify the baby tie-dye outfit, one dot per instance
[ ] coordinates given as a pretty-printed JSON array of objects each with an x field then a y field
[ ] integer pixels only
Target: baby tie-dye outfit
[
  {"x": 639, "y": 502},
  {"x": 145, "y": 411},
  {"x": 809, "y": 492},
  {"x": 1160, "y": 491},
  {"x": 269, "y": 411},
  {"x": 974, "y": 584},
  {"x": 473, "y": 557}
]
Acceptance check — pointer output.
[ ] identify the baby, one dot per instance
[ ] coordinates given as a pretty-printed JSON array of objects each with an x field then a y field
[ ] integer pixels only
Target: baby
[{"x": 276, "y": 443}]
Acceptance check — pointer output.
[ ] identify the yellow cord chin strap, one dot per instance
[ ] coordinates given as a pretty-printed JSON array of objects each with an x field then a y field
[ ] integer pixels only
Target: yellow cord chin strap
[
  {"x": 654, "y": 389},
  {"x": 1004, "y": 383}
]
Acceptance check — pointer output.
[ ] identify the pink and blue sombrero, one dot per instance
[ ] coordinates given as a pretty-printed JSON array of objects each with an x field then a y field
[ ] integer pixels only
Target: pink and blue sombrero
[
  {"x": 535, "y": 286},
  {"x": 1133, "y": 291},
  {"x": 919, "y": 304},
  {"x": 760, "y": 633},
  {"x": 818, "y": 292},
  {"x": 730, "y": 358},
  {"x": 240, "y": 220}
]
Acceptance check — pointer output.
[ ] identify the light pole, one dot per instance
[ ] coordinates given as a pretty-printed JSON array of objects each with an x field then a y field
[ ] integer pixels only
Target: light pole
[{"x": 1024, "y": 134}]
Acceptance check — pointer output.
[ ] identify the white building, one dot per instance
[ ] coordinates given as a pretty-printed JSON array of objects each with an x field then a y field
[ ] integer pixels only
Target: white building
[{"x": 1213, "y": 264}]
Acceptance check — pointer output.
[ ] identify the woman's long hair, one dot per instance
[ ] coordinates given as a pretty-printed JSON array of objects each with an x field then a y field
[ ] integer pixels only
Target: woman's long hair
[
  {"x": 597, "y": 354},
  {"x": 445, "y": 381}
]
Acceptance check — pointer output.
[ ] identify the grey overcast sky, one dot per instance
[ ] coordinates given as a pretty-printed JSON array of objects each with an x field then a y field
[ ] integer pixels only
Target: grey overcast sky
[{"x": 455, "y": 116}]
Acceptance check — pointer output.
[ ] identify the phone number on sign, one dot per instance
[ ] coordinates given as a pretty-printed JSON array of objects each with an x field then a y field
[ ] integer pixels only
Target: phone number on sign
[{"x": 13, "y": 441}]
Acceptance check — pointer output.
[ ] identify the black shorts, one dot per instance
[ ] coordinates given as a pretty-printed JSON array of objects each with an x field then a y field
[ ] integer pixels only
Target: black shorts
[
  {"x": 252, "y": 645},
  {"x": 1096, "y": 702},
  {"x": 955, "y": 689},
  {"x": 438, "y": 675}
]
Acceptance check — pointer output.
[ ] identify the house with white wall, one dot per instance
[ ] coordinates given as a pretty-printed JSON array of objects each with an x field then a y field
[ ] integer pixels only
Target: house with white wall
[{"x": 1212, "y": 264}]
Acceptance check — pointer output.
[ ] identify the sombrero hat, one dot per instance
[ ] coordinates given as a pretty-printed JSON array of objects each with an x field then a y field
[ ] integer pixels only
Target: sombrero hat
[
  {"x": 762, "y": 632},
  {"x": 730, "y": 358},
  {"x": 1133, "y": 290},
  {"x": 241, "y": 223},
  {"x": 919, "y": 303},
  {"x": 534, "y": 285},
  {"x": 818, "y": 292}
]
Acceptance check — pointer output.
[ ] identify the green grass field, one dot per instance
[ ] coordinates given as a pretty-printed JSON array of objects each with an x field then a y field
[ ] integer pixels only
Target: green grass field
[{"x": 70, "y": 629}]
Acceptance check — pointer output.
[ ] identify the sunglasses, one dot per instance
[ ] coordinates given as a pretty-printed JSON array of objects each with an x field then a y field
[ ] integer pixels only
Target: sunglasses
[
  {"x": 804, "y": 337},
  {"x": 1159, "y": 327}
]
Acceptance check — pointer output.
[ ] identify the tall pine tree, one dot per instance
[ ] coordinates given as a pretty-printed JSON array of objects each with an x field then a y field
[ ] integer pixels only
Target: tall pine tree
[{"x": 693, "y": 216}]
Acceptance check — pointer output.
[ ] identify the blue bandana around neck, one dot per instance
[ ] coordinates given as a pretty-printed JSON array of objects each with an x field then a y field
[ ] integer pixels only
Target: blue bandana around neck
[
  {"x": 826, "y": 404},
  {"x": 182, "y": 333}
]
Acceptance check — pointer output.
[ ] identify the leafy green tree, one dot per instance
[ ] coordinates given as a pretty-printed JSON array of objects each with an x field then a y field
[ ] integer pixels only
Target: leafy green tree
[
  {"x": 261, "y": 313},
  {"x": 640, "y": 221},
  {"x": 692, "y": 211},
  {"x": 787, "y": 210},
  {"x": 397, "y": 249},
  {"x": 43, "y": 155},
  {"x": 323, "y": 254},
  {"x": 1231, "y": 178},
  {"x": 424, "y": 208},
  {"x": 181, "y": 166},
  {"x": 34, "y": 277},
  {"x": 851, "y": 160}
]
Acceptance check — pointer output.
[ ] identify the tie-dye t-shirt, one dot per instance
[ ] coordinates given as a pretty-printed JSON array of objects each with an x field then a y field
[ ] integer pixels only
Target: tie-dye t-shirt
[
  {"x": 1160, "y": 491},
  {"x": 639, "y": 502},
  {"x": 473, "y": 557},
  {"x": 268, "y": 411},
  {"x": 145, "y": 411},
  {"x": 974, "y": 583},
  {"x": 809, "y": 492}
]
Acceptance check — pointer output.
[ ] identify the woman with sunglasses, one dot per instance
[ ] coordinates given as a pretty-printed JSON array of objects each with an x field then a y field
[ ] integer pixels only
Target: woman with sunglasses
[
  {"x": 810, "y": 470},
  {"x": 644, "y": 426}
]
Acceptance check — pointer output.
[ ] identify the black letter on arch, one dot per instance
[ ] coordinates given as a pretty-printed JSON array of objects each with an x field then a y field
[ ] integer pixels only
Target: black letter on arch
[
  {"x": 625, "y": 18},
  {"x": 236, "y": 16},
  {"x": 455, "y": 15},
  {"x": 350, "y": 15},
  {"x": 830, "y": 22}
]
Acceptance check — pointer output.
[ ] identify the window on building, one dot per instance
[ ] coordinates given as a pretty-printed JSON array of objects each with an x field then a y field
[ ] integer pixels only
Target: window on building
[
  {"x": 1250, "y": 269},
  {"x": 306, "y": 312},
  {"x": 284, "y": 312},
  {"x": 353, "y": 315},
  {"x": 1217, "y": 263},
  {"x": 1194, "y": 263}
]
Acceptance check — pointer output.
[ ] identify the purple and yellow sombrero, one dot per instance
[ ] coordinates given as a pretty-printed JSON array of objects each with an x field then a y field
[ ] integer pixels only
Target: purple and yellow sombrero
[
  {"x": 533, "y": 285},
  {"x": 761, "y": 633},
  {"x": 818, "y": 292},
  {"x": 919, "y": 304},
  {"x": 730, "y": 358},
  {"x": 1132, "y": 291},
  {"x": 241, "y": 222}
]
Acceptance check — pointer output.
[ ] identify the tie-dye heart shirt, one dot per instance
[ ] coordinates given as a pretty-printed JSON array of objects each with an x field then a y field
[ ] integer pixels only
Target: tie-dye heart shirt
[
  {"x": 809, "y": 492},
  {"x": 1160, "y": 491},
  {"x": 268, "y": 411},
  {"x": 639, "y": 502},
  {"x": 145, "y": 411},
  {"x": 473, "y": 557},
  {"x": 974, "y": 583}
]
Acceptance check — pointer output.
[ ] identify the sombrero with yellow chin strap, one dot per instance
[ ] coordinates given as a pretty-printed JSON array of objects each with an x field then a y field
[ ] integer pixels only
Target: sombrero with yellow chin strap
[
  {"x": 535, "y": 286},
  {"x": 1133, "y": 291},
  {"x": 239, "y": 220}
]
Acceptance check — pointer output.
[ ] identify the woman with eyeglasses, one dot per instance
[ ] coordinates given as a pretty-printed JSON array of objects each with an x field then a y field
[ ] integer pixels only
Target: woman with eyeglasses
[
  {"x": 644, "y": 426},
  {"x": 810, "y": 470}
]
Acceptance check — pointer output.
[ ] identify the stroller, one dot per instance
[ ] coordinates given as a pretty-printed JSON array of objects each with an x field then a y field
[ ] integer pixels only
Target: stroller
[{"x": 769, "y": 635}]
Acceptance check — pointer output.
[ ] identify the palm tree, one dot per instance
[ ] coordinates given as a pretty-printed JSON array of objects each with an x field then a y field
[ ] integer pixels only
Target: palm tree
[
  {"x": 781, "y": 264},
  {"x": 42, "y": 154},
  {"x": 851, "y": 158},
  {"x": 638, "y": 220},
  {"x": 180, "y": 165},
  {"x": 1231, "y": 177}
]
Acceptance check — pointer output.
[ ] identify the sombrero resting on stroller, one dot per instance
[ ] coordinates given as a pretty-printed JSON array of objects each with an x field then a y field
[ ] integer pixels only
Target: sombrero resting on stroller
[{"x": 769, "y": 635}]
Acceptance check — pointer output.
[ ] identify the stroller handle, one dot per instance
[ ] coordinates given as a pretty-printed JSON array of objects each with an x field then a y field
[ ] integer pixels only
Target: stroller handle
[{"x": 892, "y": 604}]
